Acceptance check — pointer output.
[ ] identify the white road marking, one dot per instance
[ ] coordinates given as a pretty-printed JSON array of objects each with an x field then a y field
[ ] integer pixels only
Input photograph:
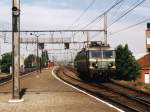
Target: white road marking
[{"x": 110, "y": 105}]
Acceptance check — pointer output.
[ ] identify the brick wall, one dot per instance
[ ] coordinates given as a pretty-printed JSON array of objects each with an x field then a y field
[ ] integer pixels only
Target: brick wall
[
  {"x": 145, "y": 61},
  {"x": 145, "y": 66},
  {"x": 142, "y": 76}
]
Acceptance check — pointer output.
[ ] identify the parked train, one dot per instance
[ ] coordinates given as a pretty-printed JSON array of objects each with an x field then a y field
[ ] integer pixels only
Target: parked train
[{"x": 97, "y": 61}]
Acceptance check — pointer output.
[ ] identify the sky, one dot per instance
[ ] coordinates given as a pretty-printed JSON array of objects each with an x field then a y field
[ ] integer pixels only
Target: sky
[{"x": 61, "y": 14}]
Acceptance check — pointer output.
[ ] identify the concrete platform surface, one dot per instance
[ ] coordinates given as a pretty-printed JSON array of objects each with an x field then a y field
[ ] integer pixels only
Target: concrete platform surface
[{"x": 46, "y": 94}]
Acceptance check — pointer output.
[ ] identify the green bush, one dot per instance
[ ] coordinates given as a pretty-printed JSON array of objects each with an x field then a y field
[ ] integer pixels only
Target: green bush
[
  {"x": 6, "y": 62},
  {"x": 29, "y": 61}
]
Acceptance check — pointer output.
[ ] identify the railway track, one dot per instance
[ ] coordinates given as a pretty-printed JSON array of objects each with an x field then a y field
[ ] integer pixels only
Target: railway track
[
  {"x": 141, "y": 97},
  {"x": 121, "y": 98},
  {"x": 135, "y": 94},
  {"x": 6, "y": 78},
  {"x": 9, "y": 77},
  {"x": 130, "y": 88}
]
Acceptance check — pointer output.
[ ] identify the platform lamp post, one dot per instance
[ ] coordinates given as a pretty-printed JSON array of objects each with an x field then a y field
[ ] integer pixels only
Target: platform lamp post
[
  {"x": 16, "y": 51},
  {"x": 37, "y": 42}
]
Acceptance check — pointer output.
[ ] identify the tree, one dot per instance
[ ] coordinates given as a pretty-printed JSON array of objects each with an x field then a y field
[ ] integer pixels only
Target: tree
[
  {"x": 6, "y": 62},
  {"x": 126, "y": 65},
  {"x": 30, "y": 61}
]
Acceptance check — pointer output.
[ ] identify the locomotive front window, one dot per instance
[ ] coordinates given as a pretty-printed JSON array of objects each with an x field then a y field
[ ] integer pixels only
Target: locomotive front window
[
  {"x": 107, "y": 54},
  {"x": 102, "y": 54},
  {"x": 96, "y": 54}
]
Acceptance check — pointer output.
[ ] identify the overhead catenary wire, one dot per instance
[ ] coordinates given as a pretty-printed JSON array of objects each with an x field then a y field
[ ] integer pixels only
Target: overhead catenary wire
[
  {"x": 129, "y": 27},
  {"x": 95, "y": 23},
  {"x": 81, "y": 15},
  {"x": 124, "y": 11},
  {"x": 135, "y": 6},
  {"x": 118, "y": 9},
  {"x": 102, "y": 14}
]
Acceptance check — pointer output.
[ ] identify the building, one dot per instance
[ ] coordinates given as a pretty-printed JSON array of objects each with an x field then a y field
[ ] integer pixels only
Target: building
[
  {"x": 144, "y": 60},
  {"x": 148, "y": 38},
  {"x": 145, "y": 68}
]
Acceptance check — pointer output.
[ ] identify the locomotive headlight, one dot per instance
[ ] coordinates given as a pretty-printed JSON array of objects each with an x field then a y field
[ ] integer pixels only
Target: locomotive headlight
[
  {"x": 114, "y": 67},
  {"x": 95, "y": 65},
  {"x": 110, "y": 65}
]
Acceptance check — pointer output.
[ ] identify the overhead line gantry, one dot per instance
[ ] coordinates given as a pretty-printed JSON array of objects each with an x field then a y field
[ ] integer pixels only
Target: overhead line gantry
[{"x": 36, "y": 31}]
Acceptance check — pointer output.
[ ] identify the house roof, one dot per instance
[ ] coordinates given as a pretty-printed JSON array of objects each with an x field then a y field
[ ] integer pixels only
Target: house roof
[{"x": 139, "y": 56}]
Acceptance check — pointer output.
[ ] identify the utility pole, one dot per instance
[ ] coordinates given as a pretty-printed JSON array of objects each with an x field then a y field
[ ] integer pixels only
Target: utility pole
[
  {"x": 16, "y": 51},
  {"x": 105, "y": 28},
  {"x": 88, "y": 39},
  {"x": 37, "y": 60},
  {"x": 37, "y": 51}
]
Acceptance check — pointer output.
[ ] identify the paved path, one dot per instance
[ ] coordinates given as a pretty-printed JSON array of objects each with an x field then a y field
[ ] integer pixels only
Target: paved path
[{"x": 46, "y": 94}]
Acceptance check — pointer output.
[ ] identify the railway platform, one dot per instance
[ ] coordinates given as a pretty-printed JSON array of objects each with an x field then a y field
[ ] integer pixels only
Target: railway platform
[{"x": 43, "y": 93}]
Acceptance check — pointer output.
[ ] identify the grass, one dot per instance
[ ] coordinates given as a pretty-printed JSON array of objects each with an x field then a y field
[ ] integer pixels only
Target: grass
[{"x": 136, "y": 84}]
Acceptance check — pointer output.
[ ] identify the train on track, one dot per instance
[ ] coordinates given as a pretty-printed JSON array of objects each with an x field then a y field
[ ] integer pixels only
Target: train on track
[{"x": 97, "y": 61}]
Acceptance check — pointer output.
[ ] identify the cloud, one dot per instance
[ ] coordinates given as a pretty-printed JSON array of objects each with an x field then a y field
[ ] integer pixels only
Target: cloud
[
  {"x": 134, "y": 37},
  {"x": 38, "y": 15},
  {"x": 5, "y": 14},
  {"x": 143, "y": 11},
  {"x": 33, "y": 17}
]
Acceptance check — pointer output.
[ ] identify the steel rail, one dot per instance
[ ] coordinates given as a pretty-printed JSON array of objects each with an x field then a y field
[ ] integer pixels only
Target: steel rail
[
  {"x": 110, "y": 89},
  {"x": 99, "y": 95},
  {"x": 126, "y": 95}
]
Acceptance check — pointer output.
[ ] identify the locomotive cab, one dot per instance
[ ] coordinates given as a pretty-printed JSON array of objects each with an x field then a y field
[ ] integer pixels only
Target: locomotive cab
[
  {"x": 101, "y": 61},
  {"x": 97, "y": 61}
]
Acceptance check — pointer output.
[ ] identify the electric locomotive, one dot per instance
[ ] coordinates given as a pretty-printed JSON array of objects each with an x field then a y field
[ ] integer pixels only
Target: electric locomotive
[{"x": 97, "y": 61}]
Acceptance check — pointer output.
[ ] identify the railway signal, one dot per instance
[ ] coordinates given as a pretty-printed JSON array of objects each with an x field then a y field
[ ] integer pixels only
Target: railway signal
[
  {"x": 66, "y": 45},
  {"x": 41, "y": 46}
]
